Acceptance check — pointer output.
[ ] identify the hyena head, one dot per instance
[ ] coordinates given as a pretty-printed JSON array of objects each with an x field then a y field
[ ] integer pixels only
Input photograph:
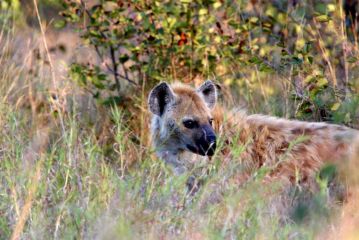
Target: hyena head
[{"x": 182, "y": 117}]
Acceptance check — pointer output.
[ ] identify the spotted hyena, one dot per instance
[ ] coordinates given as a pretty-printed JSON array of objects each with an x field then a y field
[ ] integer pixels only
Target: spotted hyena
[{"x": 185, "y": 123}]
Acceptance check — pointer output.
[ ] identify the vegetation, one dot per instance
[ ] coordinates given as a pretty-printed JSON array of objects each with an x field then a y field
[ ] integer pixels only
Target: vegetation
[{"x": 75, "y": 159}]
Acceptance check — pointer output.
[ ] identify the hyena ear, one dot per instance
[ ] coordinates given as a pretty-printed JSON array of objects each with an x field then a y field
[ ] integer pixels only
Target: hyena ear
[
  {"x": 159, "y": 98},
  {"x": 208, "y": 92}
]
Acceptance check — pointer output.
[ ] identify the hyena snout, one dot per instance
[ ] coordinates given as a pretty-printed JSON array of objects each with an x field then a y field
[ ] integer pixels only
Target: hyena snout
[{"x": 206, "y": 144}]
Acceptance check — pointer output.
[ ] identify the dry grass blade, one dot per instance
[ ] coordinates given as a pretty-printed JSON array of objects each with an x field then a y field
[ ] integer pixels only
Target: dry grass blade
[
  {"x": 26, "y": 209},
  {"x": 53, "y": 75}
]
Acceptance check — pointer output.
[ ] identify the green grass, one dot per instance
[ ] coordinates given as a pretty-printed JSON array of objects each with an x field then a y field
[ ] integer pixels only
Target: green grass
[{"x": 79, "y": 193}]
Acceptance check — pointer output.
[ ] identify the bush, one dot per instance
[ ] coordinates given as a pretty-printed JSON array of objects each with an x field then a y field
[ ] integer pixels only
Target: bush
[{"x": 239, "y": 44}]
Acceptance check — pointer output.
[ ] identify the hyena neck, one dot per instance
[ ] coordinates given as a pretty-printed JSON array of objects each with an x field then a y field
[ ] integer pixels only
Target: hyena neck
[
  {"x": 173, "y": 159},
  {"x": 226, "y": 124}
]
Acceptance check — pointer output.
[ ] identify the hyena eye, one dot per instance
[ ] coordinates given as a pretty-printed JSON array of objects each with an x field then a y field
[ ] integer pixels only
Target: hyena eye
[
  {"x": 190, "y": 124},
  {"x": 210, "y": 121}
]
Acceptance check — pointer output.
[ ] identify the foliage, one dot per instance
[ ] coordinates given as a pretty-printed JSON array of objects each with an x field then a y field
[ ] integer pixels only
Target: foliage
[
  {"x": 9, "y": 9},
  {"x": 232, "y": 42}
]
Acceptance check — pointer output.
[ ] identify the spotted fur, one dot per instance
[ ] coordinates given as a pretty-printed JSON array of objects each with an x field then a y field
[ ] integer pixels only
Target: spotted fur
[{"x": 292, "y": 150}]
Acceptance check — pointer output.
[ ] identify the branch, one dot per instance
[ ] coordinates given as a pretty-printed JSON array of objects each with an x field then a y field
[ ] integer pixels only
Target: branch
[{"x": 114, "y": 69}]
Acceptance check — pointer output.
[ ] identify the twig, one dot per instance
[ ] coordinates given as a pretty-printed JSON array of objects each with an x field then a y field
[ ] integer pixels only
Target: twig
[
  {"x": 120, "y": 75},
  {"x": 344, "y": 44},
  {"x": 108, "y": 67},
  {"x": 114, "y": 67},
  {"x": 325, "y": 55},
  {"x": 53, "y": 76}
]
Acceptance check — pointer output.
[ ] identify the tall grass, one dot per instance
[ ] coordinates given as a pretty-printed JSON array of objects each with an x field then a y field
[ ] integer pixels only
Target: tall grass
[{"x": 72, "y": 190}]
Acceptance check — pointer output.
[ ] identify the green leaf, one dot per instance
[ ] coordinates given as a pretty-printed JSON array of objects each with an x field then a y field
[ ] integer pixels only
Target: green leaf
[
  {"x": 328, "y": 172},
  {"x": 335, "y": 106},
  {"x": 321, "y": 8},
  {"x": 217, "y": 4},
  {"x": 203, "y": 11},
  {"x": 310, "y": 59},
  {"x": 321, "y": 82},
  {"x": 307, "y": 47},
  {"x": 96, "y": 95},
  {"x": 59, "y": 24},
  {"x": 124, "y": 58},
  {"x": 113, "y": 100},
  {"x": 255, "y": 60},
  {"x": 265, "y": 68},
  {"x": 296, "y": 60},
  {"x": 299, "y": 13},
  {"x": 322, "y": 18},
  {"x": 352, "y": 59}
]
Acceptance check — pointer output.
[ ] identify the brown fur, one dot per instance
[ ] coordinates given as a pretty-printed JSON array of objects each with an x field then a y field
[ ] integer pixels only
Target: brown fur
[
  {"x": 294, "y": 150},
  {"x": 171, "y": 106},
  {"x": 190, "y": 104}
]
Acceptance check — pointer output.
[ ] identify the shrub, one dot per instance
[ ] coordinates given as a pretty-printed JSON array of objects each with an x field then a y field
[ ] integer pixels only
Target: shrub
[{"x": 239, "y": 44}]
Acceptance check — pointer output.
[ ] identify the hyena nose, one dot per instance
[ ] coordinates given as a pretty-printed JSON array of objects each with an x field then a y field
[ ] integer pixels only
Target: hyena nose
[{"x": 211, "y": 140}]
